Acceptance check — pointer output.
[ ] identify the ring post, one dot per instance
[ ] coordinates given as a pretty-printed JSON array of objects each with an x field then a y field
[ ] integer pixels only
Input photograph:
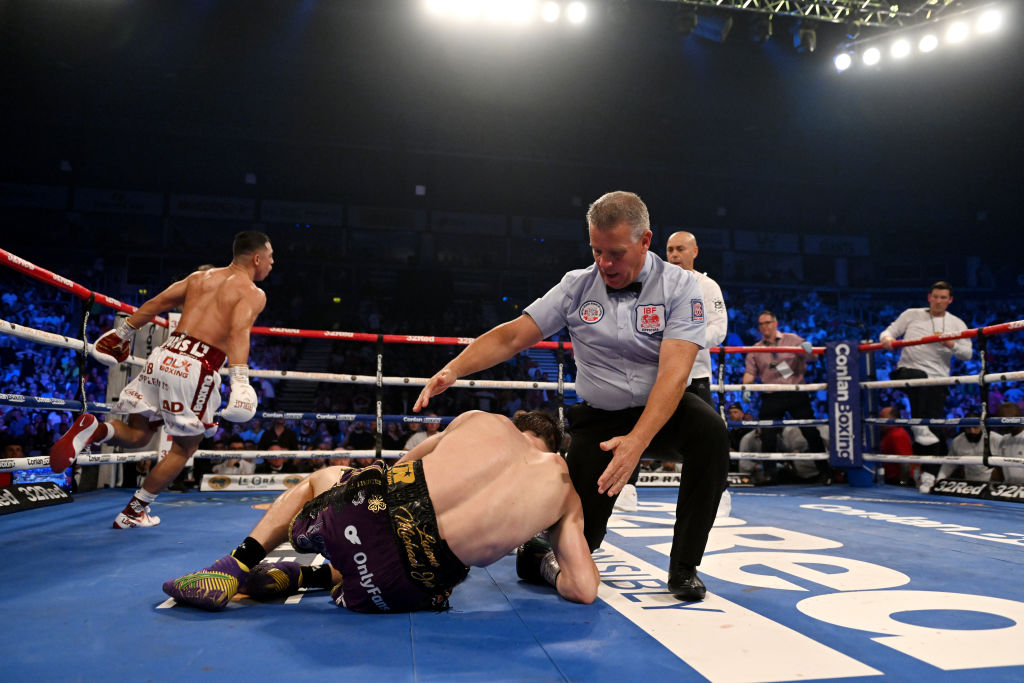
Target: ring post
[
  {"x": 844, "y": 420},
  {"x": 721, "y": 384},
  {"x": 378, "y": 432},
  {"x": 83, "y": 355},
  {"x": 986, "y": 446}
]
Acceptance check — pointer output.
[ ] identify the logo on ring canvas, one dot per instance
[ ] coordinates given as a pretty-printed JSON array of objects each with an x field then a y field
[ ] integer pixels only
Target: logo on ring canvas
[{"x": 591, "y": 312}]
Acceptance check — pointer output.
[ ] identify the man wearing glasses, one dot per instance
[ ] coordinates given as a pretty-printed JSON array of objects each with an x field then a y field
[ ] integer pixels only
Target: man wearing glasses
[{"x": 782, "y": 368}]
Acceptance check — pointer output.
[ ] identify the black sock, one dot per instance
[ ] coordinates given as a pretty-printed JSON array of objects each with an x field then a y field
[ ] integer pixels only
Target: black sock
[
  {"x": 316, "y": 577},
  {"x": 249, "y": 552}
]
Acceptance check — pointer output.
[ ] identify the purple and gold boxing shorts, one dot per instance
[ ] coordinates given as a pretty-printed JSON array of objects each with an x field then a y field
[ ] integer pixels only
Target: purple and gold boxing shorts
[{"x": 377, "y": 527}]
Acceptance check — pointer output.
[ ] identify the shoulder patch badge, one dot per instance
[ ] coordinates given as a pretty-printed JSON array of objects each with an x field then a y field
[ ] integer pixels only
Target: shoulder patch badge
[{"x": 697, "y": 310}]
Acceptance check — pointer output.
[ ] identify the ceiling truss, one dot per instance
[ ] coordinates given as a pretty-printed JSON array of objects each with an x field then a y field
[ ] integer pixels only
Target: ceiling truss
[{"x": 880, "y": 13}]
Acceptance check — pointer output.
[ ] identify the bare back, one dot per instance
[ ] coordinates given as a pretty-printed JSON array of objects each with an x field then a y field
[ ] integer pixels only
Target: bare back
[
  {"x": 492, "y": 489},
  {"x": 220, "y": 307}
]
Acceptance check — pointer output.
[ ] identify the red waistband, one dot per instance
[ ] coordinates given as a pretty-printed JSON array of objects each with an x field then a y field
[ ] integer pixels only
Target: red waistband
[{"x": 182, "y": 343}]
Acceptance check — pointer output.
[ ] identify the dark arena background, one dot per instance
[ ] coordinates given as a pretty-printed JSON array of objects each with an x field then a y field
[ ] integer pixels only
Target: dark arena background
[{"x": 423, "y": 169}]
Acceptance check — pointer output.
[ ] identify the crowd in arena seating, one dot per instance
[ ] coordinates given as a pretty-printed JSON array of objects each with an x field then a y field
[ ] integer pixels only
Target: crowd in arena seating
[{"x": 33, "y": 369}]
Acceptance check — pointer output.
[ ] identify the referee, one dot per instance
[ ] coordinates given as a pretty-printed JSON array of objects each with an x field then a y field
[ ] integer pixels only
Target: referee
[{"x": 636, "y": 325}]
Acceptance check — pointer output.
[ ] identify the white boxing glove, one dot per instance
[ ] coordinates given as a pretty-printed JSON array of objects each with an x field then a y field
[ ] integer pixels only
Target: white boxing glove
[
  {"x": 242, "y": 401},
  {"x": 806, "y": 346},
  {"x": 114, "y": 345}
]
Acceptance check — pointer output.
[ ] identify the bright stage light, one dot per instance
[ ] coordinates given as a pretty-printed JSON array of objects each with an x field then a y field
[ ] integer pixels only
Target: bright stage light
[
  {"x": 900, "y": 49},
  {"x": 957, "y": 32},
  {"x": 928, "y": 42},
  {"x": 843, "y": 61},
  {"x": 871, "y": 56},
  {"x": 511, "y": 11},
  {"x": 577, "y": 12},
  {"x": 550, "y": 11},
  {"x": 989, "y": 21},
  {"x": 438, "y": 6}
]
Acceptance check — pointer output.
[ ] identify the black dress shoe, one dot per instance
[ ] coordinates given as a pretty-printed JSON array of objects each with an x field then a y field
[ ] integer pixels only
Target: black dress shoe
[{"x": 684, "y": 583}]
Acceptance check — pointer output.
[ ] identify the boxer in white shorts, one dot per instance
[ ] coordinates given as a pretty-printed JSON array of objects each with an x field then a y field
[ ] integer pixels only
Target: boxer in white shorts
[{"x": 179, "y": 387}]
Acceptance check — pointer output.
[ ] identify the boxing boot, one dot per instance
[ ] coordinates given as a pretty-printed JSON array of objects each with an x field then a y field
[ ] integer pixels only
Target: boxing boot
[
  {"x": 211, "y": 588},
  {"x": 627, "y": 500},
  {"x": 85, "y": 430},
  {"x": 126, "y": 521}
]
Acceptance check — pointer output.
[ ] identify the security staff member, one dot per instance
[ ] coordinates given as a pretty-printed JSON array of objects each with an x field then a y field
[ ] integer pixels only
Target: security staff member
[
  {"x": 636, "y": 325},
  {"x": 681, "y": 250}
]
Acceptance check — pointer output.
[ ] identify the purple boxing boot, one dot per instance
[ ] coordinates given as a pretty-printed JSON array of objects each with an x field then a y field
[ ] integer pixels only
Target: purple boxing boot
[{"x": 210, "y": 588}]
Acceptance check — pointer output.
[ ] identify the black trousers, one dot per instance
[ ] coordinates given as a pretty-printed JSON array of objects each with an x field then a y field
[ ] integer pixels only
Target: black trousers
[
  {"x": 701, "y": 387},
  {"x": 926, "y": 402},
  {"x": 694, "y": 432},
  {"x": 775, "y": 405}
]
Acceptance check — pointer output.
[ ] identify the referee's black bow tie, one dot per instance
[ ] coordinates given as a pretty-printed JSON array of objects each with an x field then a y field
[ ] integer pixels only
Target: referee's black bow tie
[{"x": 634, "y": 287}]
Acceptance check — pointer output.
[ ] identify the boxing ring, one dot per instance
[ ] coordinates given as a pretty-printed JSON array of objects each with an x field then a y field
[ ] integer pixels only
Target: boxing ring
[{"x": 804, "y": 582}]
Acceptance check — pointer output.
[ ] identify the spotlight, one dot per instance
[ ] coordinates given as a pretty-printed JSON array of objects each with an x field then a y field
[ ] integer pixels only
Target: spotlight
[
  {"x": 437, "y": 6},
  {"x": 900, "y": 49},
  {"x": 576, "y": 12},
  {"x": 957, "y": 32},
  {"x": 928, "y": 42},
  {"x": 761, "y": 29},
  {"x": 871, "y": 56},
  {"x": 843, "y": 61},
  {"x": 714, "y": 28},
  {"x": 686, "y": 20},
  {"x": 550, "y": 12},
  {"x": 990, "y": 21},
  {"x": 804, "y": 38}
]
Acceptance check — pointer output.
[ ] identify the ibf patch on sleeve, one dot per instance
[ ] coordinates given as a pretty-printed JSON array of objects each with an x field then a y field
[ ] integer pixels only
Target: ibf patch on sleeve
[
  {"x": 697, "y": 310},
  {"x": 650, "y": 319}
]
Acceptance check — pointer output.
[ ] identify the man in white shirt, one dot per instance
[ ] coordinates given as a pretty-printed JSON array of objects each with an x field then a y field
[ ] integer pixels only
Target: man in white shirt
[
  {"x": 681, "y": 250},
  {"x": 928, "y": 360}
]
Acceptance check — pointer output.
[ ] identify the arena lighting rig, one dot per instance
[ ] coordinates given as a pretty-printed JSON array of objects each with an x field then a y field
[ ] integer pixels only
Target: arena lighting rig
[{"x": 951, "y": 31}]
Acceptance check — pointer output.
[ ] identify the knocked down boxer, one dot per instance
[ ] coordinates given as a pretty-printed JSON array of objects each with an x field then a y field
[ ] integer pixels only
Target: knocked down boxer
[
  {"x": 400, "y": 538},
  {"x": 180, "y": 385}
]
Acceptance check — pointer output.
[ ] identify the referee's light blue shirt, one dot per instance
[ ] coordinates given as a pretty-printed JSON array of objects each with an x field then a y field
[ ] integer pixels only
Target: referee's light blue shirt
[{"x": 616, "y": 337}]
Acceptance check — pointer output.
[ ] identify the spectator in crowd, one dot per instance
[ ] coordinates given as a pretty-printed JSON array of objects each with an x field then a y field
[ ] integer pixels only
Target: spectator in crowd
[
  {"x": 393, "y": 439},
  {"x": 279, "y": 434},
  {"x": 360, "y": 438},
  {"x": 895, "y": 441},
  {"x": 308, "y": 436},
  {"x": 252, "y": 430},
  {"x": 340, "y": 458},
  {"x": 1010, "y": 446},
  {"x": 235, "y": 465},
  {"x": 736, "y": 414},
  {"x": 272, "y": 465},
  {"x": 420, "y": 435},
  {"x": 10, "y": 450},
  {"x": 928, "y": 360},
  {"x": 783, "y": 368},
  {"x": 968, "y": 443},
  {"x": 792, "y": 441}
]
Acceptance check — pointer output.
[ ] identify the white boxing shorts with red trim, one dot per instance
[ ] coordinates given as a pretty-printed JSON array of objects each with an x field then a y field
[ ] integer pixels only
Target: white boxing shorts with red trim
[{"x": 180, "y": 387}]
